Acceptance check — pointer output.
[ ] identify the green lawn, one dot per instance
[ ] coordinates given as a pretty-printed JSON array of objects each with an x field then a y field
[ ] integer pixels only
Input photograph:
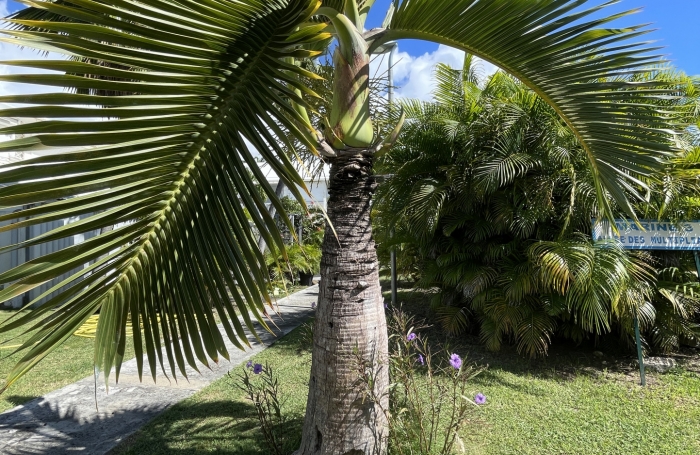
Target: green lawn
[
  {"x": 540, "y": 412},
  {"x": 574, "y": 402},
  {"x": 568, "y": 403}
]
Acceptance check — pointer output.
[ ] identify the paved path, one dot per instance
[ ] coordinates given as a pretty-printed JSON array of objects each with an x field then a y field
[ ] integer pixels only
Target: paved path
[{"x": 65, "y": 421}]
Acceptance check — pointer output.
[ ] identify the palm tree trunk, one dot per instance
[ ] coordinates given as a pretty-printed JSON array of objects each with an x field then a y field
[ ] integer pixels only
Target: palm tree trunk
[{"x": 345, "y": 412}]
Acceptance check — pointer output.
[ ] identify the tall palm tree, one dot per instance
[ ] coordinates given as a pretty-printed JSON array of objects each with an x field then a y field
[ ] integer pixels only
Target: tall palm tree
[{"x": 168, "y": 165}]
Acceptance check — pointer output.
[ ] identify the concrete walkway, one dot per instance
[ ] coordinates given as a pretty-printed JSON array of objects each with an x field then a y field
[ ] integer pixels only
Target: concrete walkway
[{"x": 65, "y": 421}]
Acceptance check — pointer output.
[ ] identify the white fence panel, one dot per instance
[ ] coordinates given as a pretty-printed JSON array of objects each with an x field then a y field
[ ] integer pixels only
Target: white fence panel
[{"x": 21, "y": 255}]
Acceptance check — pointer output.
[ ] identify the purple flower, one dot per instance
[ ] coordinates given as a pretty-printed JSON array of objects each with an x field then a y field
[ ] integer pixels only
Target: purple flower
[
  {"x": 313, "y": 305},
  {"x": 420, "y": 359},
  {"x": 456, "y": 361},
  {"x": 249, "y": 364},
  {"x": 257, "y": 368},
  {"x": 386, "y": 307},
  {"x": 480, "y": 398},
  {"x": 411, "y": 336}
]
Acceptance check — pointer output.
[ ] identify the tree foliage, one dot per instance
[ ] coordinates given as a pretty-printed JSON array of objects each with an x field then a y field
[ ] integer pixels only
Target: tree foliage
[
  {"x": 491, "y": 198},
  {"x": 159, "y": 105}
]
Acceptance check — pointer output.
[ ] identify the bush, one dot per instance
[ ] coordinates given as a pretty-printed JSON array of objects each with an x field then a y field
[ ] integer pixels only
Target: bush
[
  {"x": 490, "y": 204},
  {"x": 298, "y": 257}
]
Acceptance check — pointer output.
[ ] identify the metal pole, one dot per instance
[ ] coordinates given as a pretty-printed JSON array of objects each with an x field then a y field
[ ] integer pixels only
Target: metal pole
[
  {"x": 390, "y": 73},
  {"x": 393, "y": 274},
  {"x": 389, "y": 48},
  {"x": 291, "y": 231},
  {"x": 640, "y": 356},
  {"x": 300, "y": 231}
]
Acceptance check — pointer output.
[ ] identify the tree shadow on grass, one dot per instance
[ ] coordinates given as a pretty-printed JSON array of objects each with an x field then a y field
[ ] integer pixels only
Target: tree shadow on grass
[
  {"x": 488, "y": 377},
  {"x": 19, "y": 399},
  {"x": 225, "y": 427},
  {"x": 565, "y": 362}
]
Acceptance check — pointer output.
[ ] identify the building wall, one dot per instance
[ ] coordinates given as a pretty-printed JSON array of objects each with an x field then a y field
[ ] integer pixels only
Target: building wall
[
  {"x": 18, "y": 256},
  {"x": 319, "y": 193}
]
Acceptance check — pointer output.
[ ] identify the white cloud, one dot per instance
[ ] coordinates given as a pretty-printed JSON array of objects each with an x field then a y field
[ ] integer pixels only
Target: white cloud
[
  {"x": 413, "y": 75},
  {"x": 4, "y": 11}
]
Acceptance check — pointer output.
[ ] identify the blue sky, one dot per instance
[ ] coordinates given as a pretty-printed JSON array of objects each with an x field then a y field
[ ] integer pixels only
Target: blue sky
[{"x": 677, "y": 22}]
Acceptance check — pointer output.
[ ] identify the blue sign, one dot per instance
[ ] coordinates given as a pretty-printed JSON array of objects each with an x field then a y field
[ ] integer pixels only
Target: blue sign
[{"x": 650, "y": 235}]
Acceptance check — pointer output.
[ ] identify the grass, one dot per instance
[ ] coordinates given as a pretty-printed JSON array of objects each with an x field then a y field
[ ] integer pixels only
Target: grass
[
  {"x": 541, "y": 413},
  {"x": 219, "y": 419},
  {"x": 571, "y": 402},
  {"x": 574, "y": 402},
  {"x": 68, "y": 363},
  {"x": 568, "y": 403}
]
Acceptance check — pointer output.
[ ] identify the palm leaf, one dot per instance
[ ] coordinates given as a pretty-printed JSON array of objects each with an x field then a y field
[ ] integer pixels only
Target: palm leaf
[
  {"x": 169, "y": 164},
  {"x": 568, "y": 63},
  {"x": 534, "y": 333}
]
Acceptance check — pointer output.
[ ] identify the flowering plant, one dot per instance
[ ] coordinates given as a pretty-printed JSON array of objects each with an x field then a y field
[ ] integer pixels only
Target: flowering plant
[
  {"x": 262, "y": 389},
  {"x": 428, "y": 398},
  {"x": 456, "y": 361}
]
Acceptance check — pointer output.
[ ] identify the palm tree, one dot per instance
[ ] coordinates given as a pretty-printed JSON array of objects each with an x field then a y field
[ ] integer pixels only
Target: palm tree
[
  {"x": 489, "y": 197},
  {"x": 167, "y": 164}
]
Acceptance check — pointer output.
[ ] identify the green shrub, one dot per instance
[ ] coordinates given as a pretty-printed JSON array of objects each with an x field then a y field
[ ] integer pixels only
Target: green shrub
[{"x": 490, "y": 204}]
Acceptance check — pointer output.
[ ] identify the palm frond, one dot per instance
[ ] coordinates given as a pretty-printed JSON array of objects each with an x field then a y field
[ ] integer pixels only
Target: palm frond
[
  {"x": 534, "y": 333},
  {"x": 568, "y": 62},
  {"x": 170, "y": 165}
]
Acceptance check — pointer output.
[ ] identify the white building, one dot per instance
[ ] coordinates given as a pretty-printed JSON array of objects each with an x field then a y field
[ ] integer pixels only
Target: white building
[
  {"x": 11, "y": 157},
  {"x": 18, "y": 256},
  {"x": 317, "y": 184}
]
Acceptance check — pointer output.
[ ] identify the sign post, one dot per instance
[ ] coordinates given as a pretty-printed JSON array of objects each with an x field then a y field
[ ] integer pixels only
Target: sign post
[
  {"x": 650, "y": 235},
  {"x": 640, "y": 356}
]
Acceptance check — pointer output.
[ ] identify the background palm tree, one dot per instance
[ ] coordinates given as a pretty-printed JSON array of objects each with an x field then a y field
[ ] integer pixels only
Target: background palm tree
[
  {"x": 490, "y": 201},
  {"x": 212, "y": 79}
]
